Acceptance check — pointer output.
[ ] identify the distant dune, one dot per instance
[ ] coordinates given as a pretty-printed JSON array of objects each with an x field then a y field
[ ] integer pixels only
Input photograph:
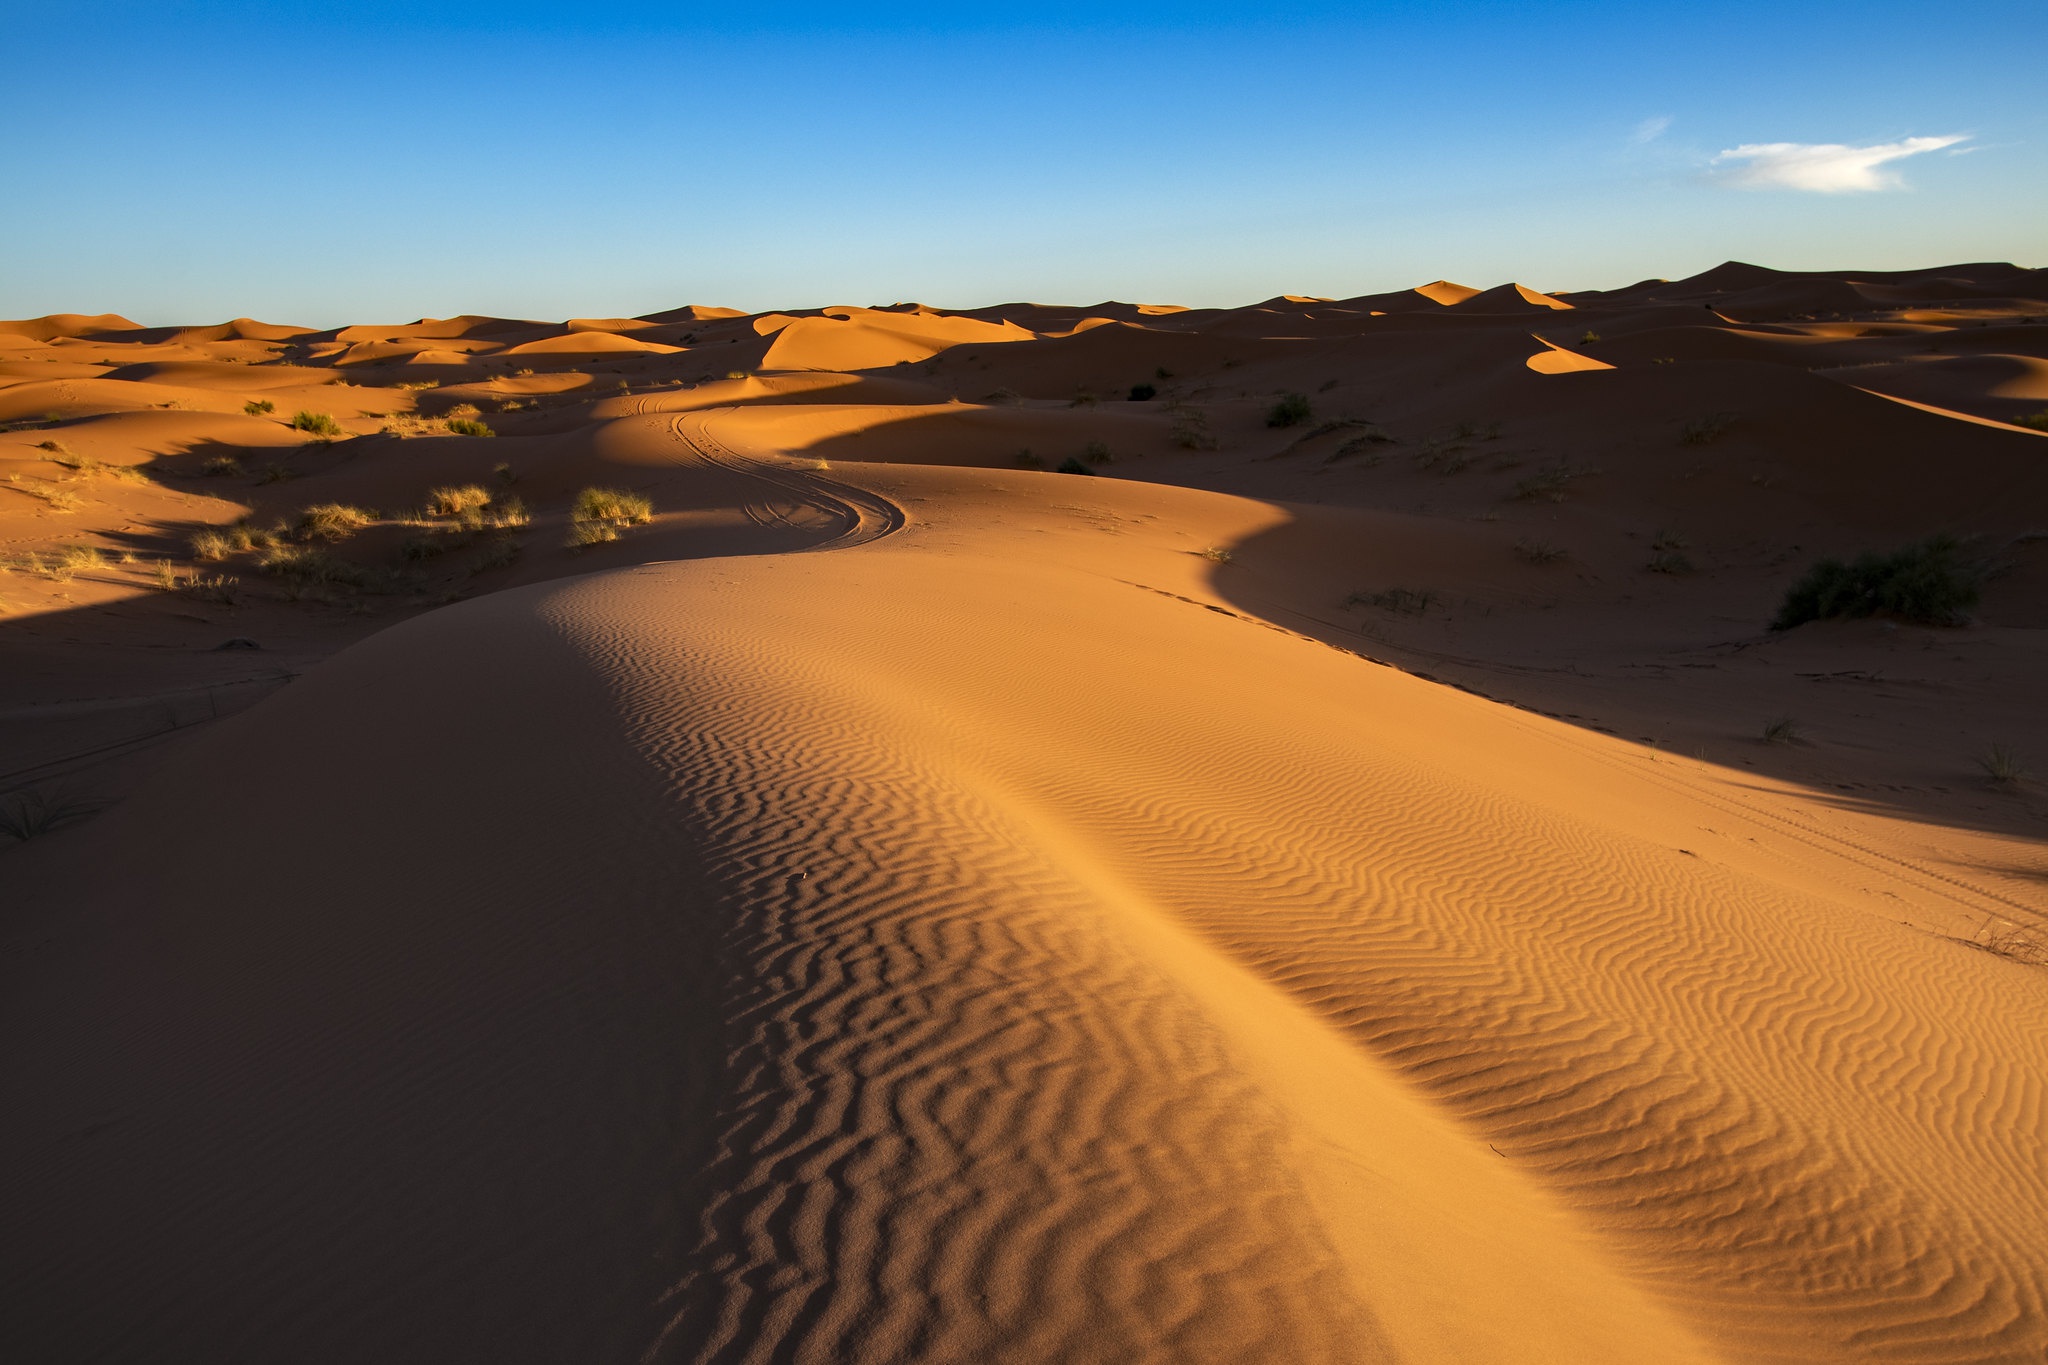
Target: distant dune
[{"x": 1065, "y": 833}]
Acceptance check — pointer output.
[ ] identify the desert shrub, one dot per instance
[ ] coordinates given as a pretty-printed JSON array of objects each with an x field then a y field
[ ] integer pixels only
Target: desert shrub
[
  {"x": 331, "y": 521},
  {"x": 257, "y": 407},
  {"x": 1143, "y": 393},
  {"x": 316, "y": 423},
  {"x": 612, "y": 505},
  {"x": 1929, "y": 582},
  {"x": 1539, "y": 552},
  {"x": 1699, "y": 431},
  {"x": 2036, "y": 420},
  {"x": 468, "y": 426},
  {"x": 507, "y": 513},
  {"x": 1070, "y": 465},
  {"x": 222, "y": 588},
  {"x": 1401, "y": 601},
  {"x": 221, "y": 466},
  {"x": 423, "y": 547},
  {"x": 1781, "y": 730},
  {"x": 1588, "y": 338},
  {"x": 599, "y": 514},
  {"x": 1216, "y": 553},
  {"x": 503, "y": 474},
  {"x": 454, "y": 501},
  {"x": 1024, "y": 459},
  {"x": 2001, "y": 763},
  {"x": 1549, "y": 485},
  {"x": 306, "y": 565},
  {"x": 1191, "y": 429},
  {"x": 210, "y": 546},
  {"x": 1292, "y": 410},
  {"x": 1095, "y": 452}
]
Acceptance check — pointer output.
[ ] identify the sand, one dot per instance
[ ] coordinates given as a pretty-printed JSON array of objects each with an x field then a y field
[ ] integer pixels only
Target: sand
[{"x": 1252, "y": 900}]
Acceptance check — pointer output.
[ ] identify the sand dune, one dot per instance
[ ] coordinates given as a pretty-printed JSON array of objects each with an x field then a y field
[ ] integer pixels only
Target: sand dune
[{"x": 1304, "y": 884}]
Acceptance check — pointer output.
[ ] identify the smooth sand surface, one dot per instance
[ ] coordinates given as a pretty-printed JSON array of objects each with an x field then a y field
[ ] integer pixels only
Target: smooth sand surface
[{"x": 1301, "y": 892}]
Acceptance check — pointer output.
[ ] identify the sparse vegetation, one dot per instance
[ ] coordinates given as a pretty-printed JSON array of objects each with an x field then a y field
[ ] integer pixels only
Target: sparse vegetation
[
  {"x": 454, "y": 501},
  {"x": 1700, "y": 431},
  {"x": 59, "y": 453},
  {"x": 1539, "y": 552},
  {"x": 1070, "y": 465},
  {"x": 2037, "y": 421},
  {"x": 468, "y": 426},
  {"x": 317, "y": 424},
  {"x": 1667, "y": 555},
  {"x": 1219, "y": 555},
  {"x": 209, "y": 546},
  {"x": 1549, "y": 485},
  {"x": 59, "y": 565},
  {"x": 1929, "y": 582},
  {"x": 1291, "y": 411},
  {"x": 1024, "y": 459},
  {"x": 1400, "y": 601},
  {"x": 1588, "y": 338},
  {"x": 1781, "y": 730},
  {"x": 26, "y": 815},
  {"x": 1191, "y": 429},
  {"x": 2003, "y": 938},
  {"x": 57, "y": 497},
  {"x": 1143, "y": 393},
  {"x": 599, "y": 514},
  {"x": 257, "y": 407},
  {"x": 1095, "y": 452},
  {"x": 221, "y": 467},
  {"x": 309, "y": 566},
  {"x": 2001, "y": 763},
  {"x": 331, "y": 521}
]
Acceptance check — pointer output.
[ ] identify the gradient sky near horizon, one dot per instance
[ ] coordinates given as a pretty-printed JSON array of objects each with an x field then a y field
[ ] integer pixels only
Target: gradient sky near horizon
[{"x": 379, "y": 161}]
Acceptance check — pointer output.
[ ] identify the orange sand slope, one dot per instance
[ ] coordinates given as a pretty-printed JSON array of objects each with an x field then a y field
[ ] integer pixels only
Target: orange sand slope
[{"x": 906, "y": 904}]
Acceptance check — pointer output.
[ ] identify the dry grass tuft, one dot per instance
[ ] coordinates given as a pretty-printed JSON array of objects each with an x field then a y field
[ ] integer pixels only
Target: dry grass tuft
[
  {"x": 2001, "y": 763},
  {"x": 1540, "y": 552},
  {"x": 2003, "y": 938},
  {"x": 1781, "y": 730},
  {"x": 454, "y": 501},
  {"x": 331, "y": 521}
]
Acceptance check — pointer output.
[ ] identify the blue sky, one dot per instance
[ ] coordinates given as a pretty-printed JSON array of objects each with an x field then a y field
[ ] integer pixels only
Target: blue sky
[{"x": 372, "y": 161}]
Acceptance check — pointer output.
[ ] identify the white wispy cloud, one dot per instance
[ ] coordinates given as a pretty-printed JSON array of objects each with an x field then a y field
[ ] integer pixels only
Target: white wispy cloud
[
  {"x": 1650, "y": 129},
  {"x": 1822, "y": 167}
]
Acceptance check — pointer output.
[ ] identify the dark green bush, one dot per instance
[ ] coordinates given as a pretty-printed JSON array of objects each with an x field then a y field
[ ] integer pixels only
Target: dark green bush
[
  {"x": 1292, "y": 410},
  {"x": 1070, "y": 465},
  {"x": 318, "y": 423},
  {"x": 2037, "y": 420},
  {"x": 1929, "y": 582},
  {"x": 468, "y": 426}
]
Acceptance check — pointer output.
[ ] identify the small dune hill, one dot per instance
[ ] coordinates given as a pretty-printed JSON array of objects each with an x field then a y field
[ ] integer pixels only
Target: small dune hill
[
  {"x": 58, "y": 325},
  {"x": 1045, "y": 833},
  {"x": 1510, "y": 298},
  {"x": 590, "y": 342}
]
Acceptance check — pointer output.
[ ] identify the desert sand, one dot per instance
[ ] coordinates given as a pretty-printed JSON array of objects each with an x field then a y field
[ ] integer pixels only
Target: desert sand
[{"x": 1070, "y": 833}]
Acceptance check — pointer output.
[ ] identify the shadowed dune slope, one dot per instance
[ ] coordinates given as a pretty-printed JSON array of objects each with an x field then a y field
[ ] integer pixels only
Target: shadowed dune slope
[{"x": 898, "y": 954}]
